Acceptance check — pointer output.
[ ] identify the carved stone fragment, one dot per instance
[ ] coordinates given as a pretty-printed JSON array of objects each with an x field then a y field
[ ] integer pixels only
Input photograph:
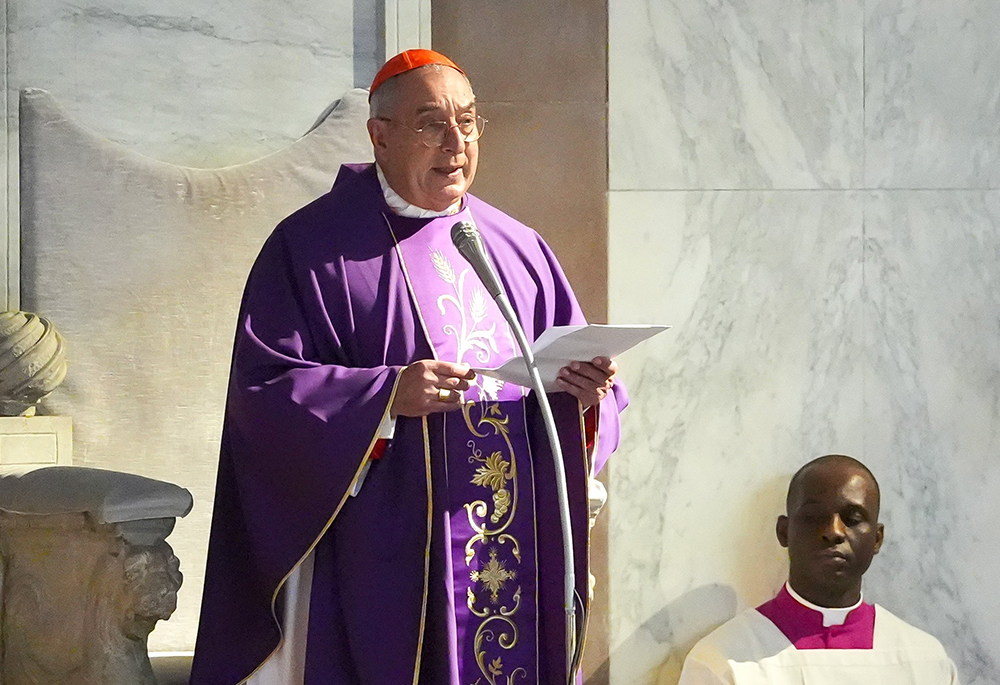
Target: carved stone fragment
[
  {"x": 32, "y": 362},
  {"x": 79, "y": 593}
]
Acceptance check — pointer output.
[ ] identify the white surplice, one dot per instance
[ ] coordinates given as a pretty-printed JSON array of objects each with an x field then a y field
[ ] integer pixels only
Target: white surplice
[{"x": 751, "y": 650}]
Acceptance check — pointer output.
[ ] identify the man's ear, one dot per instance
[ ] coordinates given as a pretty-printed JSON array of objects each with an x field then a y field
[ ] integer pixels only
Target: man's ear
[
  {"x": 781, "y": 530},
  {"x": 879, "y": 537},
  {"x": 377, "y": 132}
]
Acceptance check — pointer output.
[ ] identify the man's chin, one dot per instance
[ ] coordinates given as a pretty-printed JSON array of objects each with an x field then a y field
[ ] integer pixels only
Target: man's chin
[{"x": 447, "y": 197}]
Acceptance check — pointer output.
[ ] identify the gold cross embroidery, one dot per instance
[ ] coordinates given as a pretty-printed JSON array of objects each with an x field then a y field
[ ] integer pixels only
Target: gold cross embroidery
[{"x": 493, "y": 575}]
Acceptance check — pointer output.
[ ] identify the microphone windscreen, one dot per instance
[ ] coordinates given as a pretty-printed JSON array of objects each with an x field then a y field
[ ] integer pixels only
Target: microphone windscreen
[
  {"x": 469, "y": 244},
  {"x": 462, "y": 234}
]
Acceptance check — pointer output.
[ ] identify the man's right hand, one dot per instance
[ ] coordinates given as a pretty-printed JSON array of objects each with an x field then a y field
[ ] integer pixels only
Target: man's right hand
[{"x": 429, "y": 386}]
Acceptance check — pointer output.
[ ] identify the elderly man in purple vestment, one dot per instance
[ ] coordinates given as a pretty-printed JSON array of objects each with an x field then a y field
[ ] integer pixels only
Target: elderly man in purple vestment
[
  {"x": 384, "y": 516},
  {"x": 818, "y": 630}
]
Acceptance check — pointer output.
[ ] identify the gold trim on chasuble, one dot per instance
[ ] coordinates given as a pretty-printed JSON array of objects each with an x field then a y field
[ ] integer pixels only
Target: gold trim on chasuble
[
  {"x": 427, "y": 549},
  {"x": 589, "y": 464},
  {"x": 497, "y": 472}
]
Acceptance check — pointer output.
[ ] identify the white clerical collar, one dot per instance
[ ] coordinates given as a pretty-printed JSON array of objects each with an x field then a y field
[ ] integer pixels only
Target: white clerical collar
[
  {"x": 831, "y": 616},
  {"x": 404, "y": 208}
]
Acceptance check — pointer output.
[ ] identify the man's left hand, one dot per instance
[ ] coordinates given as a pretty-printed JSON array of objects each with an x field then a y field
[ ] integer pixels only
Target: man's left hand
[{"x": 590, "y": 382}]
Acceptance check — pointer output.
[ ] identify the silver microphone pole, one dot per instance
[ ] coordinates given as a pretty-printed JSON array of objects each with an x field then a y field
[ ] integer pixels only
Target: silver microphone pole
[{"x": 466, "y": 238}]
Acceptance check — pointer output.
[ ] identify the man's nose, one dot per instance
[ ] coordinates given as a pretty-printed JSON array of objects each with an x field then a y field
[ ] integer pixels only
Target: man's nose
[
  {"x": 454, "y": 142},
  {"x": 834, "y": 530}
]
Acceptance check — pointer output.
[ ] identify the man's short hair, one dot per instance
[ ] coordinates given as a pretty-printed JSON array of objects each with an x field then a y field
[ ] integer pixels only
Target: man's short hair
[{"x": 796, "y": 481}]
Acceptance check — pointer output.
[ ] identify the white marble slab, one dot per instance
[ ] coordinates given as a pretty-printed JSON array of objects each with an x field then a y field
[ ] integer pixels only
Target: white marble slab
[
  {"x": 760, "y": 373},
  {"x": 932, "y": 94},
  {"x": 792, "y": 341},
  {"x": 203, "y": 84},
  {"x": 932, "y": 409},
  {"x": 735, "y": 94}
]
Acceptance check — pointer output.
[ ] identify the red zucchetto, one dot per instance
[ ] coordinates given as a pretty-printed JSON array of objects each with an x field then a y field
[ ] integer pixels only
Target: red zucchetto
[{"x": 407, "y": 60}]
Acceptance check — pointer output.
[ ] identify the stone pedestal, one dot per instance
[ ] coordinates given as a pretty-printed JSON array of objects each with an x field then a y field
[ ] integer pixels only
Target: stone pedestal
[{"x": 85, "y": 574}]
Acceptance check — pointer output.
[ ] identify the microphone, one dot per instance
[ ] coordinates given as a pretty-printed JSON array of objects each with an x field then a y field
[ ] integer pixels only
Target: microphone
[{"x": 469, "y": 243}]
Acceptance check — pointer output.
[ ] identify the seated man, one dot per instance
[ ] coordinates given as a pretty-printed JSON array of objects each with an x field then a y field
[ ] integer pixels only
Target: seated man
[{"x": 818, "y": 630}]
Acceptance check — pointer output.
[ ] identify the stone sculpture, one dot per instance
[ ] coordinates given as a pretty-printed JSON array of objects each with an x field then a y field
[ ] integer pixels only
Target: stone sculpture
[
  {"x": 85, "y": 574},
  {"x": 32, "y": 362}
]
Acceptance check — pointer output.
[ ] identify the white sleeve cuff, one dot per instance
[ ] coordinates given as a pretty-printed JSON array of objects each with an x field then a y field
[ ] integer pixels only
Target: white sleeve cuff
[{"x": 387, "y": 428}]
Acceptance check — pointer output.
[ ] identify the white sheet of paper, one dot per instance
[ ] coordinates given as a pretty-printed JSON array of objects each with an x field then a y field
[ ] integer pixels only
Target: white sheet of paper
[{"x": 560, "y": 345}]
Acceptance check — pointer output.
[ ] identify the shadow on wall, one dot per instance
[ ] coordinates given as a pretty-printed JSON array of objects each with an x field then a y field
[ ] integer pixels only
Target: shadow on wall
[
  {"x": 655, "y": 652},
  {"x": 755, "y": 566}
]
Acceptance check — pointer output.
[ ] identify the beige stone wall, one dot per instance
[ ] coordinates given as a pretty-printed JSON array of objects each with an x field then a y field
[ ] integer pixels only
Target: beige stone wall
[{"x": 540, "y": 76}]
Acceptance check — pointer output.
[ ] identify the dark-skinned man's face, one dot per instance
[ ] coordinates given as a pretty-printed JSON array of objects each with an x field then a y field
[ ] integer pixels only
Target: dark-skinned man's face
[{"x": 831, "y": 531}]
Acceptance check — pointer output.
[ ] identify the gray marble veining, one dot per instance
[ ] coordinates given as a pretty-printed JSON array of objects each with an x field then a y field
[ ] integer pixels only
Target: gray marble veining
[
  {"x": 760, "y": 372},
  {"x": 932, "y": 413},
  {"x": 889, "y": 350},
  {"x": 735, "y": 94},
  {"x": 932, "y": 94},
  {"x": 806, "y": 322},
  {"x": 199, "y": 84}
]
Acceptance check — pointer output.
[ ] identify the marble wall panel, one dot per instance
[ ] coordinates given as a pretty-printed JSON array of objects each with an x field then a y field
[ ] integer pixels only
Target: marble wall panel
[
  {"x": 202, "y": 84},
  {"x": 735, "y": 94},
  {"x": 932, "y": 413},
  {"x": 932, "y": 94},
  {"x": 760, "y": 373},
  {"x": 894, "y": 94},
  {"x": 806, "y": 323}
]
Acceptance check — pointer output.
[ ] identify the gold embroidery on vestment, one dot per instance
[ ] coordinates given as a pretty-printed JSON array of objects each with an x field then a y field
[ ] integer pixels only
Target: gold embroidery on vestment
[
  {"x": 493, "y": 576},
  {"x": 496, "y": 472},
  {"x": 506, "y": 639}
]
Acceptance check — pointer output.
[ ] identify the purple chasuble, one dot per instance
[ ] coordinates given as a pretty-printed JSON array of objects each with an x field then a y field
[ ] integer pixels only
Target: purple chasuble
[
  {"x": 446, "y": 568},
  {"x": 804, "y": 626}
]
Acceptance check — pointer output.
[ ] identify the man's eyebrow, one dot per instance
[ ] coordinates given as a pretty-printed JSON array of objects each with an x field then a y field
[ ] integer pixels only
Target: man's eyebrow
[{"x": 432, "y": 107}]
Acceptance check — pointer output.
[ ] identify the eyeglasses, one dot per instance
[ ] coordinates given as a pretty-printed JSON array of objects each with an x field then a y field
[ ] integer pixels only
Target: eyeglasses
[{"x": 432, "y": 135}]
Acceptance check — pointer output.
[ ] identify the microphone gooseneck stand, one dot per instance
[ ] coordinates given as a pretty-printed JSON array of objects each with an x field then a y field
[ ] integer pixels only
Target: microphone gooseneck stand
[{"x": 466, "y": 238}]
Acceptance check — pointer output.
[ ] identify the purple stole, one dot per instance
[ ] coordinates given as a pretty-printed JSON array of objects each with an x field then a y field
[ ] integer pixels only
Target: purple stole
[
  {"x": 490, "y": 524},
  {"x": 804, "y": 626}
]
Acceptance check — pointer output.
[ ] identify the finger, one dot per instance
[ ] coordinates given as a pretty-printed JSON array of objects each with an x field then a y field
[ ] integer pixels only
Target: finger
[
  {"x": 452, "y": 383},
  {"x": 587, "y": 397},
  {"x": 455, "y": 370},
  {"x": 605, "y": 364},
  {"x": 583, "y": 374},
  {"x": 584, "y": 388},
  {"x": 444, "y": 399}
]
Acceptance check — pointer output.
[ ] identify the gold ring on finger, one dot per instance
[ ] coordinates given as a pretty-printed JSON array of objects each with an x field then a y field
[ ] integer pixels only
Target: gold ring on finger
[{"x": 444, "y": 395}]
